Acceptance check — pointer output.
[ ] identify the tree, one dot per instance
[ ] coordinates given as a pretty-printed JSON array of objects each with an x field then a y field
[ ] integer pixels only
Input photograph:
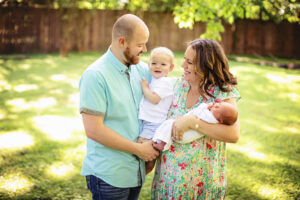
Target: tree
[
  {"x": 213, "y": 12},
  {"x": 187, "y": 12}
]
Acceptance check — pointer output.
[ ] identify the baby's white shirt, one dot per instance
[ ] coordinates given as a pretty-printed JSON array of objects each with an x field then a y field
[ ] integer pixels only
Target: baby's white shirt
[{"x": 157, "y": 113}]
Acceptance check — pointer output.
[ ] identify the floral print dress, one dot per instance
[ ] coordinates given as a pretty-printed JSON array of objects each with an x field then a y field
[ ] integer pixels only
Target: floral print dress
[{"x": 194, "y": 170}]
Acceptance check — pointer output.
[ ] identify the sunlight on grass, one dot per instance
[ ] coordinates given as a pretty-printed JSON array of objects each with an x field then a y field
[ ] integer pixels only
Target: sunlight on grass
[
  {"x": 60, "y": 170},
  {"x": 15, "y": 183},
  {"x": 4, "y": 85},
  {"x": 35, "y": 77},
  {"x": 293, "y": 78},
  {"x": 57, "y": 91},
  {"x": 25, "y": 66},
  {"x": 2, "y": 115},
  {"x": 293, "y": 130},
  {"x": 74, "y": 99},
  {"x": 49, "y": 61},
  {"x": 24, "y": 87},
  {"x": 57, "y": 127},
  {"x": 75, "y": 154},
  {"x": 278, "y": 79},
  {"x": 20, "y": 104},
  {"x": 250, "y": 152},
  {"x": 270, "y": 129},
  {"x": 74, "y": 83},
  {"x": 294, "y": 97},
  {"x": 269, "y": 192},
  {"x": 14, "y": 140},
  {"x": 59, "y": 77}
]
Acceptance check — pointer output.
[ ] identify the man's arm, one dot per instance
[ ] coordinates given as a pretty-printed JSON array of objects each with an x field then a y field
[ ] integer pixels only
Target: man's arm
[
  {"x": 149, "y": 95},
  {"x": 97, "y": 131}
]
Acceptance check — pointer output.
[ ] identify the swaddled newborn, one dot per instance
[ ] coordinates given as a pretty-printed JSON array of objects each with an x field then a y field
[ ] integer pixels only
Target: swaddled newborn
[{"x": 222, "y": 112}]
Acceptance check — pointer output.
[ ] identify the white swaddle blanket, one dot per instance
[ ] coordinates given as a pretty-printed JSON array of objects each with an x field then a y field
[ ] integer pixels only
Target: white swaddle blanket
[{"x": 163, "y": 132}]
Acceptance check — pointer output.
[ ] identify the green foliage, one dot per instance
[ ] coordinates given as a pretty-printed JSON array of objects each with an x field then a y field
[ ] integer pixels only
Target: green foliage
[
  {"x": 39, "y": 101},
  {"x": 187, "y": 12}
]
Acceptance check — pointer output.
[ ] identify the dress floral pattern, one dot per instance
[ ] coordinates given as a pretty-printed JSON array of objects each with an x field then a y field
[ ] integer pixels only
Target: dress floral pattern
[{"x": 195, "y": 170}]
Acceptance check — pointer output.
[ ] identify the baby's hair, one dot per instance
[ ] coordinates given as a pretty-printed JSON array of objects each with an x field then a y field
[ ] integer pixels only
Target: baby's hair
[
  {"x": 230, "y": 116},
  {"x": 163, "y": 50}
]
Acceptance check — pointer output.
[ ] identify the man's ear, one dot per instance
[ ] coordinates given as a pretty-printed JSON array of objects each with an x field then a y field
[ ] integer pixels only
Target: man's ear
[
  {"x": 122, "y": 41},
  {"x": 171, "y": 67}
]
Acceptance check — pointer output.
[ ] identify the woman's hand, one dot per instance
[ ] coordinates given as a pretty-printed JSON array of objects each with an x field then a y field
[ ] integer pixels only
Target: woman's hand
[{"x": 180, "y": 126}]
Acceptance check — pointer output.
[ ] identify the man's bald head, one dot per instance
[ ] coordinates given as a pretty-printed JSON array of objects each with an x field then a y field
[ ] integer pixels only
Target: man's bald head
[{"x": 126, "y": 25}]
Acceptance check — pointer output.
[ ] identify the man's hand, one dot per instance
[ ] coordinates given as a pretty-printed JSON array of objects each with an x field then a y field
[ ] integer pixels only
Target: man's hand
[
  {"x": 180, "y": 126},
  {"x": 146, "y": 151},
  {"x": 144, "y": 83}
]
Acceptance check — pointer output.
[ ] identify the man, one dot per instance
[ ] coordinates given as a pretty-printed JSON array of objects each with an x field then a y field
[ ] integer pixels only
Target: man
[{"x": 110, "y": 94}]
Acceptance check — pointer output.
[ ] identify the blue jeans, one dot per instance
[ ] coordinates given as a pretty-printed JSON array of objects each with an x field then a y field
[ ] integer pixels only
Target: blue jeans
[{"x": 103, "y": 191}]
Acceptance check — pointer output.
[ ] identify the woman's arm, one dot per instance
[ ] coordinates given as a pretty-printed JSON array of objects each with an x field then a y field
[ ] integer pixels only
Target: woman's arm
[{"x": 219, "y": 132}]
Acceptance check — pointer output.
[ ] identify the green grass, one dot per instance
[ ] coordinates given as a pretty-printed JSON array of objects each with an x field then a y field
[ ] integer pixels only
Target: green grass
[{"x": 42, "y": 142}]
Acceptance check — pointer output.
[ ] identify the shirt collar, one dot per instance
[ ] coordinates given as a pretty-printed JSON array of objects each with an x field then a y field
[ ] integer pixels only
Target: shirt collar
[{"x": 115, "y": 61}]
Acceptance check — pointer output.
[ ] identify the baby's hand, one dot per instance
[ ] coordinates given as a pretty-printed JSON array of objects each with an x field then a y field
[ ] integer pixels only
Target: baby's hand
[{"x": 144, "y": 83}]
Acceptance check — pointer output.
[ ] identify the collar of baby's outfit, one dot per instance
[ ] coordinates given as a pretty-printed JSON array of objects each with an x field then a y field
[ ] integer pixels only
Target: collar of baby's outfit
[
  {"x": 116, "y": 62},
  {"x": 153, "y": 78}
]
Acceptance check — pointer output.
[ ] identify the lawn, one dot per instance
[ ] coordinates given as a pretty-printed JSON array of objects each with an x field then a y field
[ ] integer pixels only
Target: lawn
[{"x": 42, "y": 142}]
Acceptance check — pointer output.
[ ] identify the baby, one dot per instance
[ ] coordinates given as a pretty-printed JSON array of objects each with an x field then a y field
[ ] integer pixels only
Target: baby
[
  {"x": 158, "y": 95},
  {"x": 223, "y": 112}
]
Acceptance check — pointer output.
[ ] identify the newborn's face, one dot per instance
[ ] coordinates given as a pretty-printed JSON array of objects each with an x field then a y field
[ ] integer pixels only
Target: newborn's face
[
  {"x": 219, "y": 109},
  {"x": 216, "y": 109}
]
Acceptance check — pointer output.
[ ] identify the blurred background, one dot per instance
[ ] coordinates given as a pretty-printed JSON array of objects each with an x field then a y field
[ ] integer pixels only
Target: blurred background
[
  {"x": 46, "y": 45},
  {"x": 243, "y": 27}
]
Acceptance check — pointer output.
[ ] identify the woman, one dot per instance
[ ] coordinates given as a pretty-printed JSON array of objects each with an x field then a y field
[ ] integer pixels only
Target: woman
[{"x": 197, "y": 170}]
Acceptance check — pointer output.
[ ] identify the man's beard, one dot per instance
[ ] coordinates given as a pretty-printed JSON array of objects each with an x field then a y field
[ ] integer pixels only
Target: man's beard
[{"x": 130, "y": 59}]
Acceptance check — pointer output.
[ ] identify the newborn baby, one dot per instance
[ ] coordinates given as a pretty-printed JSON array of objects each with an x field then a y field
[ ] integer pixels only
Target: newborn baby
[{"x": 223, "y": 112}]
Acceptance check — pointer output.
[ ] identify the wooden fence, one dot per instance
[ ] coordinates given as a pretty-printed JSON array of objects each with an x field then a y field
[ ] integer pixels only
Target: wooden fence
[{"x": 31, "y": 30}]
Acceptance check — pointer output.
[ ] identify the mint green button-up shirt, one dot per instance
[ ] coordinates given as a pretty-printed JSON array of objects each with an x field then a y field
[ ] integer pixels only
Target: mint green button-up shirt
[{"x": 108, "y": 88}]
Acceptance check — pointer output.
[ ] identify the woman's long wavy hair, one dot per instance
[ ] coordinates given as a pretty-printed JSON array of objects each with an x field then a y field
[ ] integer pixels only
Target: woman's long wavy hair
[{"x": 212, "y": 66}]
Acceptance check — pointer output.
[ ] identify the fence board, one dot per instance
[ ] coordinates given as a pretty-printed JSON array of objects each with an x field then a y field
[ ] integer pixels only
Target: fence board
[{"x": 30, "y": 30}]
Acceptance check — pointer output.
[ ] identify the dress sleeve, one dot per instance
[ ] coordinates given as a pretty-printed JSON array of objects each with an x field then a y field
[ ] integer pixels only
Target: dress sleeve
[
  {"x": 92, "y": 94},
  {"x": 234, "y": 93}
]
